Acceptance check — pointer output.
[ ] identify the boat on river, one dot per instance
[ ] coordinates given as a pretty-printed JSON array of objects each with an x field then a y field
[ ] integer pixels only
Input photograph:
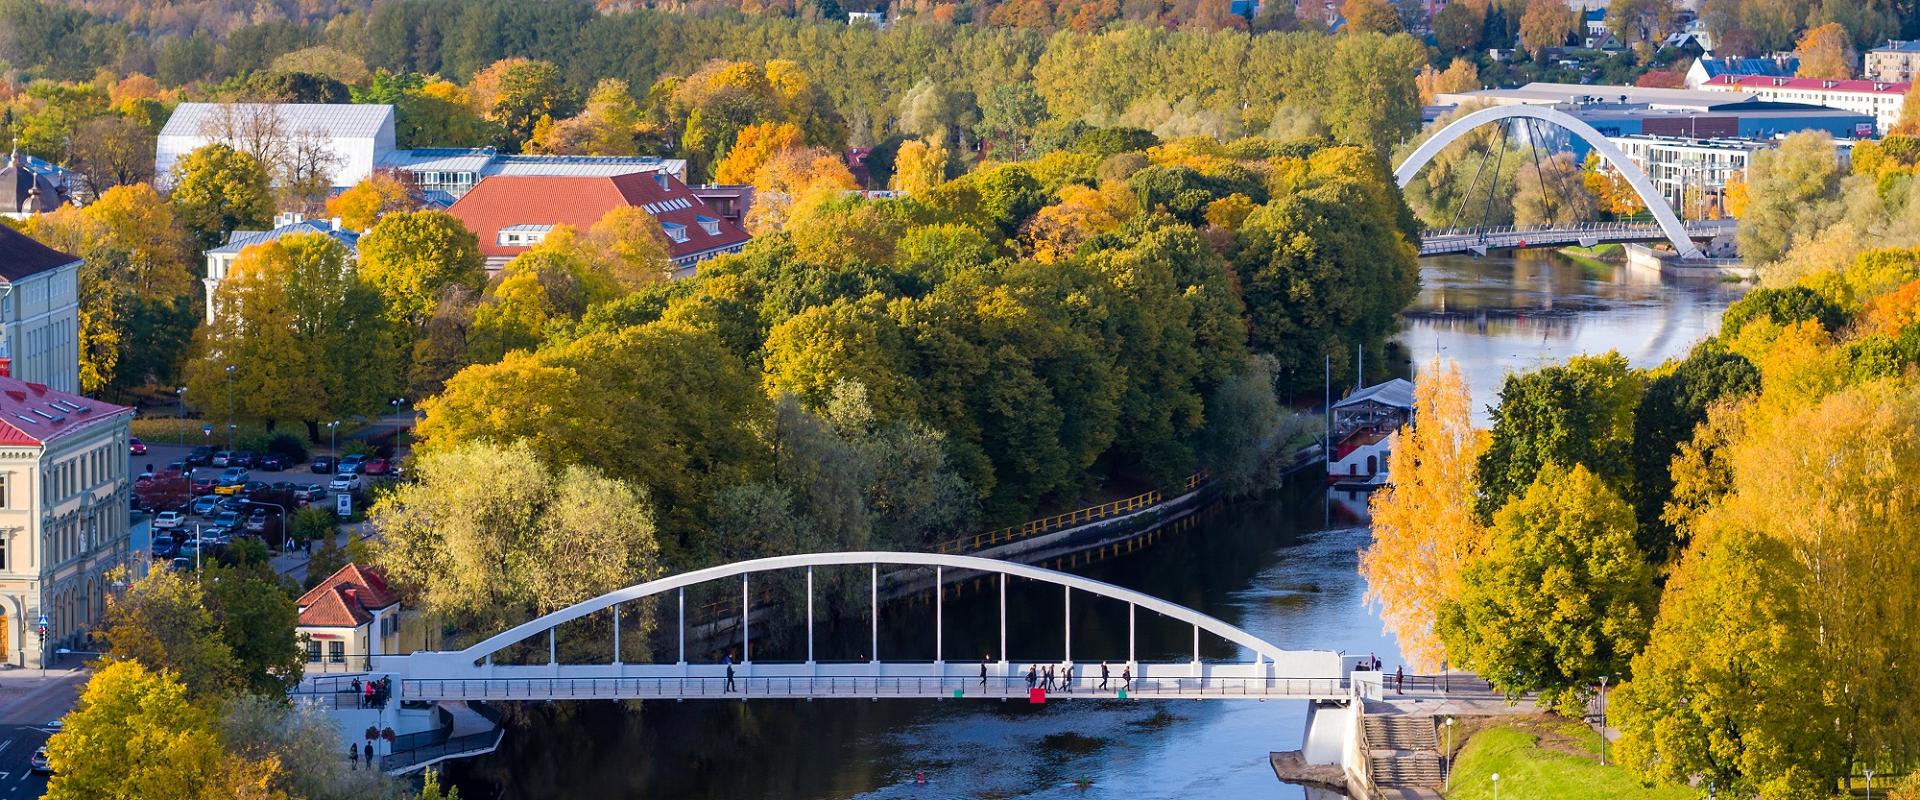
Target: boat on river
[{"x": 1363, "y": 427}]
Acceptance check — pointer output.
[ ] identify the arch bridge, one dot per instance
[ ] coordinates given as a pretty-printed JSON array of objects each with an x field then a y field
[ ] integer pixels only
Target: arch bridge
[
  {"x": 1666, "y": 223},
  {"x": 1267, "y": 671}
]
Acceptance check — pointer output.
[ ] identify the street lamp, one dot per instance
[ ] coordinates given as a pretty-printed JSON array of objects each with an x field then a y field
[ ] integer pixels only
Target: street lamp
[
  {"x": 1496, "y": 786},
  {"x": 333, "y": 441},
  {"x": 1603, "y": 720},
  {"x": 181, "y": 422},
  {"x": 1449, "y": 776},
  {"x": 229, "y": 408}
]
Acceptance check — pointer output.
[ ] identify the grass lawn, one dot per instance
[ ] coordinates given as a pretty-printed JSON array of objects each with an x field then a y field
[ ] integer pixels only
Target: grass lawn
[
  {"x": 1544, "y": 758},
  {"x": 1591, "y": 258}
]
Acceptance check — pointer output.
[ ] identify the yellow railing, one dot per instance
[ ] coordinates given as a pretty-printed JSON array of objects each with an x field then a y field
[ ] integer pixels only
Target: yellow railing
[{"x": 1080, "y": 516}]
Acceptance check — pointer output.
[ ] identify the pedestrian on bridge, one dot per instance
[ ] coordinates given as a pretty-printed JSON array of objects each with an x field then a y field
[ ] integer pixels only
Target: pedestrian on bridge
[
  {"x": 369, "y": 752},
  {"x": 1066, "y": 678},
  {"x": 1126, "y": 678},
  {"x": 983, "y": 669},
  {"x": 1046, "y": 678},
  {"x": 1104, "y": 674},
  {"x": 1033, "y": 673},
  {"x": 1400, "y": 679},
  {"x": 729, "y": 672}
]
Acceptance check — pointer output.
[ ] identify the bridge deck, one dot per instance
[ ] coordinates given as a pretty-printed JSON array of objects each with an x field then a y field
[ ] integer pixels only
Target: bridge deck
[{"x": 1436, "y": 242}]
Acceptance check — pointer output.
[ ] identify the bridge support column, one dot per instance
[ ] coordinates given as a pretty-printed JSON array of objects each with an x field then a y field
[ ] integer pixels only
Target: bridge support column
[
  {"x": 683, "y": 628},
  {"x": 809, "y": 615},
  {"x": 1130, "y": 608},
  {"x": 1069, "y": 596},
  {"x": 1196, "y": 651},
  {"x": 1003, "y": 625},
  {"x": 939, "y": 618},
  {"x": 746, "y": 625},
  {"x": 874, "y": 653},
  {"x": 616, "y": 634}
]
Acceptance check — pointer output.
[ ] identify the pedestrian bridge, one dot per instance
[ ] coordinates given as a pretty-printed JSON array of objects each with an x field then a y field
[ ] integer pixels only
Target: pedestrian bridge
[
  {"x": 1480, "y": 241},
  {"x": 1265, "y": 671}
]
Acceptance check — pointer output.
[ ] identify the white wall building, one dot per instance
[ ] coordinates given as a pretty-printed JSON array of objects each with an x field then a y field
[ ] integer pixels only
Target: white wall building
[
  {"x": 1692, "y": 174},
  {"x": 343, "y": 140},
  {"x": 1881, "y": 99},
  {"x": 39, "y": 312},
  {"x": 220, "y": 259}
]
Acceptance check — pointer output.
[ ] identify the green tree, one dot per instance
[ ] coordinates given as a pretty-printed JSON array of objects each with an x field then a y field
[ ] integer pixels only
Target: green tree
[
  {"x": 1581, "y": 413},
  {"x": 1010, "y": 113},
  {"x": 1561, "y": 597},
  {"x": 217, "y": 189},
  {"x": 162, "y": 621},
  {"x": 517, "y": 93},
  {"x": 411, "y": 257},
  {"x": 1792, "y": 189},
  {"x": 491, "y": 534},
  {"x": 306, "y": 338},
  {"x": 1784, "y": 306},
  {"x": 1675, "y": 404},
  {"x": 256, "y": 616}
]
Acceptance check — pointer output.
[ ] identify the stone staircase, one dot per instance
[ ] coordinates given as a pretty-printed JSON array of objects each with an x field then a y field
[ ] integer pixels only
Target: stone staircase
[{"x": 1403, "y": 750}]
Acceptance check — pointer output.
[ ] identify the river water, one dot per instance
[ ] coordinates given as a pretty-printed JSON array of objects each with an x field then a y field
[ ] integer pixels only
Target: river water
[{"x": 1282, "y": 567}]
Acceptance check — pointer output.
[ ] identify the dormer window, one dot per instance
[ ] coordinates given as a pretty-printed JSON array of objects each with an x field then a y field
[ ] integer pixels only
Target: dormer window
[
  {"x": 708, "y": 224},
  {"x": 675, "y": 231},
  {"x": 523, "y": 235}
]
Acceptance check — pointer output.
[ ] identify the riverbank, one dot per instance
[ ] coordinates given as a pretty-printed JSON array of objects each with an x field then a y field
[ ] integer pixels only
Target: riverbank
[{"x": 1542, "y": 756}]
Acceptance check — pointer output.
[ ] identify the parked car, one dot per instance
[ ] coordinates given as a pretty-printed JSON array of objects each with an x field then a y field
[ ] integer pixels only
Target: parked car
[
  {"x": 183, "y": 564},
  {"x": 168, "y": 520},
  {"x": 309, "y": 493},
  {"x": 246, "y": 459},
  {"x": 205, "y": 485},
  {"x": 226, "y": 519},
  {"x": 200, "y": 456},
  {"x": 220, "y": 459},
  {"x": 215, "y": 538},
  {"x": 233, "y": 481},
  {"x": 179, "y": 466},
  {"x": 258, "y": 522},
  {"x": 378, "y": 466},
  {"x": 351, "y": 465},
  {"x": 282, "y": 486},
  {"x": 345, "y": 482},
  {"x": 203, "y": 506},
  {"x": 324, "y": 464},
  {"x": 164, "y": 547},
  {"x": 136, "y": 447},
  {"x": 39, "y": 762}
]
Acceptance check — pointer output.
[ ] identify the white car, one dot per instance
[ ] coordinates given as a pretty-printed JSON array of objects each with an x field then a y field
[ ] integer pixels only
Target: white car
[
  {"x": 344, "y": 483},
  {"x": 168, "y": 520}
]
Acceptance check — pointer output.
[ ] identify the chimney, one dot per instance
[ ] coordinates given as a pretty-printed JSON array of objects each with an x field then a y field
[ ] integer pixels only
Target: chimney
[
  {"x": 353, "y": 595},
  {"x": 335, "y": 222}
]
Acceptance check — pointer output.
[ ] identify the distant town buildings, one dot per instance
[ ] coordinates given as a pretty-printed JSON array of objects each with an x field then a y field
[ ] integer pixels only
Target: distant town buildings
[
  {"x": 1707, "y": 68},
  {"x": 340, "y": 140},
  {"x": 1881, "y": 100},
  {"x": 220, "y": 259},
  {"x": 1694, "y": 114},
  {"x": 1894, "y": 62},
  {"x": 511, "y": 214},
  {"x": 1692, "y": 174},
  {"x": 63, "y": 462},
  {"x": 447, "y": 174}
]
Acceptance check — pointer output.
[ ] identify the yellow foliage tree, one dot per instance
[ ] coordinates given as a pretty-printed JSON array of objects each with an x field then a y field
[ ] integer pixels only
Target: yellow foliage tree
[
  {"x": 1544, "y": 25},
  {"x": 1425, "y": 533},
  {"x": 1826, "y": 52},
  {"x": 1909, "y": 122},
  {"x": 134, "y": 734},
  {"x": 1053, "y": 233},
  {"x": 1736, "y": 195},
  {"x": 370, "y": 199},
  {"x": 790, "y": 177},
  {"x": 1460, "y": 76},
  {"x": 919, "y": 166},
  {"x": 1370, "y": 16},
  {"x": 757, "y": 145}
]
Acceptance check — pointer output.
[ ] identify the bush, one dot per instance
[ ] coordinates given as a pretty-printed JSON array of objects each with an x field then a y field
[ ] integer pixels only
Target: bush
[
  {"x": 288, "y": 446},
  {"x": 313, "y": 523},
  {"x": 245, "y": 552},
  {"x": 356, "y": 447}
]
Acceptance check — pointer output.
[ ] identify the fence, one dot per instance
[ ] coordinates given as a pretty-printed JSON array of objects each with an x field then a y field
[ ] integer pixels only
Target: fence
[
  {"x": 1035, "y": 527},
  {"x": 863, "y": 686}
]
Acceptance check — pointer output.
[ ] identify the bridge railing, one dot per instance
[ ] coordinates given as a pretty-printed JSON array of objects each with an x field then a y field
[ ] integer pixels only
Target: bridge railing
[
  {"x": 1079, "y": 516},
  {"x": 858, "y": 686}
]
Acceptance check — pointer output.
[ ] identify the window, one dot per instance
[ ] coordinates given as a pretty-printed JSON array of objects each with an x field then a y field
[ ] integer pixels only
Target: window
[
  {"x": 313, "y": 651},
  {"x": 337, "y": 652},
  {"x": 675, "y": 231},
  {"x": 6, "y": 480},
  {"x": 709, "y": 224}
]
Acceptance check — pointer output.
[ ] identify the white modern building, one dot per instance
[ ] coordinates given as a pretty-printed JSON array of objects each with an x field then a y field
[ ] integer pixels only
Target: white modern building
[
  {"x": 344, "y": 140},
  {"x": 39, "y": 312},
  {"x": 446, "y": 174},
  {"x": 1880, "y": 99},
  {"x": 1692, "y": 174},
  {"x": 220, "y": 259}
]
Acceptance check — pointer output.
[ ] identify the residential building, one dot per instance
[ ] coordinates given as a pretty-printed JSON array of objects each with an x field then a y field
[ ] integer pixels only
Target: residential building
[
  {"x": 39, "y": 312},
  {"x": 1363, "y": 427},
  {"x": 220, "y": 259},
  {"x": 1689, "y": 113},
  {"x": 1894, "y": 62},
  {"x": 1707, "y": 68},
  {"x": 732, "y": 201},
  {"x": 446, "y": 174},
  {"x": 513, "y": 213},
  {"x": 353, "y": 616},
  {"x": 29, "y": 186},
  {"x": 1692, "y": 174},
  {"x": 63, "y": 514},
  {"x": 343, "y": 140},
  {"x": 1881, "y": 100},
  {"x": 877, "y": 19}
]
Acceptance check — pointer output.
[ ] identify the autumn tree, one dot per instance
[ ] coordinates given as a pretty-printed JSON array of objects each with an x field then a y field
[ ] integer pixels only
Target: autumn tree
[
  {"x": 1641, "y": 24},
  {"x": 1826, "y": 51},
  {"x": 112, "y": 151},
  {"x": 135, "y": 733},
  {"x": 1459, "y": 76},
  {"x": 1551, "y": 190},
  {"x": 162, "y": 621},
  {"x": 1561, "y": 596},
  {"x": 1580, "y": 413},
  {"x": 630, "y": 248},
  {"x": 920, "y": 166},
  {"x": 491, "y": 534},
  {"x": 606, "y": 127},
  {"x": 217, "y": 189},
  {"x": 516, "y": 93},
  {"x": 1370, "y": 16},
  {"x": 1676, "y": 403},
  {"x": 1791, "y": 193},
  {"x": 410, "y": 257},
  {"x": 1545, "y": 25},
  {"x": 1056, "y": 231},
  {"x": 1425, "y": 532},
  {"x": 305, "y": 337},
  {"x": 375, "y": 196},
  {"x": 755, "y": 147}
]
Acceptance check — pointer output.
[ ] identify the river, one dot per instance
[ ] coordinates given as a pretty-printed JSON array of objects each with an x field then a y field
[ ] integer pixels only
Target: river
[{"x": 1274, "y": 566}]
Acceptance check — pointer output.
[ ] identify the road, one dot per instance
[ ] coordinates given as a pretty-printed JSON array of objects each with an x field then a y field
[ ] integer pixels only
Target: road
[{"x": 31, "y": 703}]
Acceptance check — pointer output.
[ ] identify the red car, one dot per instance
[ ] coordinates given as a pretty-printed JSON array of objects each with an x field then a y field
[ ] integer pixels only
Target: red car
[
  {"x": 136, "y": 447},
  {"x": 378, "y": 466},
  {"x": 204, "y": 485}
]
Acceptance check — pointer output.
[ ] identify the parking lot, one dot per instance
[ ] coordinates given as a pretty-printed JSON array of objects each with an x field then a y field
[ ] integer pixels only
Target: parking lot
[{"x": 224, "y": 516}]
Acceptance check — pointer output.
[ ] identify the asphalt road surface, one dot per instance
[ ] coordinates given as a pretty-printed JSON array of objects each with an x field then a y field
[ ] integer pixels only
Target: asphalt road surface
[{"x": 25, "y": 725}]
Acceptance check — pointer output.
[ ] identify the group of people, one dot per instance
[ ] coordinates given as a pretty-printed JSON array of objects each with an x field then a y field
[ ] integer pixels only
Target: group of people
[
  {"x": 1045, "y": 678},
  {"x": 373, "y": 693}
]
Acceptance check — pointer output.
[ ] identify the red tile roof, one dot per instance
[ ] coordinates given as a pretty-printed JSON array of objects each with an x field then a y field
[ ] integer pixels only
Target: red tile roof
[
  {"x": 1814, "y": 84},
  {"x": 503, "y": 201},
  {"x": 33, "y": 414},
  {"x": 346, "y": 598}
]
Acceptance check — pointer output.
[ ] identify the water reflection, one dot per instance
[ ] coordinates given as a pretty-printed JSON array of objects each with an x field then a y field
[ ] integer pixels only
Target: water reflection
[{"x": 1503, "y": 313}]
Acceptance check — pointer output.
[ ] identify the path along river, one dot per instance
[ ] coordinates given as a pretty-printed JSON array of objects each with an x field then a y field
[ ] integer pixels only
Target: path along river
[{"x": 1282, "y": 567}]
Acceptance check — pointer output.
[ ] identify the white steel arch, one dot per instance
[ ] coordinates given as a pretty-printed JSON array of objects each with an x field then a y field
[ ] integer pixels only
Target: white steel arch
[
  {"x": 1263, "y": 650},
  {"x": 1662, "y": 213}
]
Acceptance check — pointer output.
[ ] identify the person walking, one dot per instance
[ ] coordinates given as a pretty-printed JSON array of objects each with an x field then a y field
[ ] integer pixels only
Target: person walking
[
  {"x": 983, "y": 670},
  {"x": 353, "y": 754},
  {"x": 729, "y": 672},
  {"x": 1066, "y": 678},
  {"x": 1104, "y": 674},
  {"x": 1047, "y": 678},
  {"x": 369, "y": 752},
  {"x": 1126, "y": 678},
  {"x": 1033, "y": 673},
  {"x": 1400, "y": 679}
]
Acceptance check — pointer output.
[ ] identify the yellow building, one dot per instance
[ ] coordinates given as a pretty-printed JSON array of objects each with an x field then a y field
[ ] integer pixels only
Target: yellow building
[{"x": 352, "y": 618}]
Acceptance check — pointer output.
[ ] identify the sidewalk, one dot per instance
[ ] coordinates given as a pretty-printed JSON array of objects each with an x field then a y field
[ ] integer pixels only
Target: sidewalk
[{"x": 293, "y": 563}]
